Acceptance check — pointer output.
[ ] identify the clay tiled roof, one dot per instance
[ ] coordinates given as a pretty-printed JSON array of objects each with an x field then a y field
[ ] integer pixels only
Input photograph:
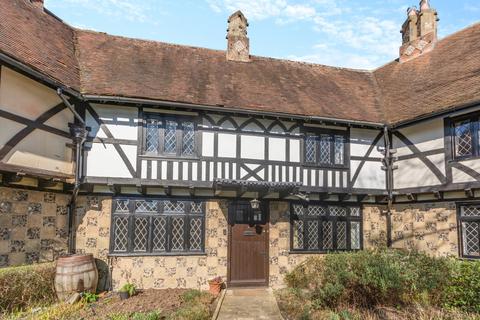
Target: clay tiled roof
[
  {"x": 100, "y": 64},
  {"x": 120, "y": 66},
  {"x": 39, "y": 40},
  {"x": 446, "y": 77}
]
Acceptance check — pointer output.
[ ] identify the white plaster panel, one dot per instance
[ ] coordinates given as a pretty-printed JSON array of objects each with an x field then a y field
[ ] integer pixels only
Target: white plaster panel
[
  {"x": 439, "y": 161},
  {"x": 253, "y": 147},
  {"x": 227, "y": 145},
  {"x": 459, "y": 176},
  {"x": 119, "y": 114},
  {"x": 60, "y": 120},
  {"x": 207, "y": 144},
  {"x": 276, "y": 149},
  {"x": 131, "y": 153},
  {"x": 104, "y": 161},
  {"x": 427, "y": 135},
  {"x": 371, "y": 176},
  {"x": 413, "y": 173},
  {"x": 472, "y": 164},
  {"x": 8, "y": 130},
  {"x": 42, "y": 150},
  {"x": 361, "y": 140},
  {"x": 23, "y": 96},
  {"x": 294, "y": 150},
  {"x": 402, "y": 149}
]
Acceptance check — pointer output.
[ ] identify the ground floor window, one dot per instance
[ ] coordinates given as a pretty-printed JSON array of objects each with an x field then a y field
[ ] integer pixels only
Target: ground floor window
[
  {"x": 157, "y": 226},
  {"x": 322, "y": 228},
  {"x": 470, "y": 230}
]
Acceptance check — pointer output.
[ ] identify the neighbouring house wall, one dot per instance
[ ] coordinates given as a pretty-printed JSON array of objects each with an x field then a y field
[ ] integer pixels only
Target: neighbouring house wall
[
  {"x": 93, "y": 235},
  {"x": 33, "y": 226}
]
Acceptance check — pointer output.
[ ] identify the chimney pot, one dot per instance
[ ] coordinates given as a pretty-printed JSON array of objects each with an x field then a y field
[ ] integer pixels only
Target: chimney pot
[
  {"x": 238, "y": 44},
  {"x": 37, "y": 3}
]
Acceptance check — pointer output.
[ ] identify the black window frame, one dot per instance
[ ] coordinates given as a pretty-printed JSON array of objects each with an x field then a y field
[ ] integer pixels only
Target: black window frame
[
  {"x": 460, "y": 220},
  {"x": 160, "y": 212},
  {"x": 327, "y": 218},
  {"x": 318, "y": 132},
  {"x": 474, "y": 119},
  {"x": 179, "y": 120}
]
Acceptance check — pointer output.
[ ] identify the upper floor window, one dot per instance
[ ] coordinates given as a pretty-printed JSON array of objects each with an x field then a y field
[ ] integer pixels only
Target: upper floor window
[
  {"x": 170, "y": 136},
  {"x": 470, "y": 230},
  {"x": 465, "y": 137},
  {"x": 325, "y": 149}
]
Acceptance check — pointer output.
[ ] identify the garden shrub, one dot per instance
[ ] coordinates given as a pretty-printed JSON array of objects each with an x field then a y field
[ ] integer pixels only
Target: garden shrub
[
  {"x": 463, "y": 290},
  {"x": 26, "y": 286},
  {"x": 371, "y": 278}
]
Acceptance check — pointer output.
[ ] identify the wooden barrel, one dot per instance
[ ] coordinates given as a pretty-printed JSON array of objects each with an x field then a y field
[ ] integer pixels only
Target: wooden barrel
[{"x": 75, "y": 273}]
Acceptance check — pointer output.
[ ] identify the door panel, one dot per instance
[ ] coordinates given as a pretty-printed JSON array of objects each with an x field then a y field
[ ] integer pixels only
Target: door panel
[{"x": 248, "y": 245}]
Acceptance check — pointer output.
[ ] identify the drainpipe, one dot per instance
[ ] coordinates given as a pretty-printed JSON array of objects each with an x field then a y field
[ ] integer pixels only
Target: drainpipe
[
  {"x": 78, "y": 132},
  {"x": 388, "y": 166}
]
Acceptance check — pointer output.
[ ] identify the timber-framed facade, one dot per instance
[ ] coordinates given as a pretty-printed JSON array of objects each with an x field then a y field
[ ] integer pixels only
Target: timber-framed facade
[{"x": 172, "y": 182}]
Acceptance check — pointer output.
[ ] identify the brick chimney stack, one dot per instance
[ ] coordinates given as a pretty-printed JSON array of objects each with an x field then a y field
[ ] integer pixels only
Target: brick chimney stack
[
  {"x": 419, "y": 31},
  {"x": 238, "y": 48}
]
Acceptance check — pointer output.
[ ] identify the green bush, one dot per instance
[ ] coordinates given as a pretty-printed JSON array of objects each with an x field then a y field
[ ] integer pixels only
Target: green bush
[
  {"x": 463, "y": 290},
  {"x": 371, "y": 278},
  {"x": 26, "y": 286}
]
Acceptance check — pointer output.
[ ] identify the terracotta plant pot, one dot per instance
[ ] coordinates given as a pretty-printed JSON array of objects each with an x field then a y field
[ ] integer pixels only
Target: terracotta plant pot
[{"x": 215, "y": 287}]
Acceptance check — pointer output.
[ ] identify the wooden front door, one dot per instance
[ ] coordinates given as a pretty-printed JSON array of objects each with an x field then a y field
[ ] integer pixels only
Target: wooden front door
[{"x": 248, "y": 245}]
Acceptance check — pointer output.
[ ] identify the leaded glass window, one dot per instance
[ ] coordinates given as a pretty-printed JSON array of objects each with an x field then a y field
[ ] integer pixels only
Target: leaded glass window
[
  {"x": 465, "y": 137},
  {"x": 321, "y": 228},
  {"x": 169, "y": 136},
  {"x": 325, "y": 149},
  {"x": 157, "y": 226},
  {"x": 470, "y": 230}
]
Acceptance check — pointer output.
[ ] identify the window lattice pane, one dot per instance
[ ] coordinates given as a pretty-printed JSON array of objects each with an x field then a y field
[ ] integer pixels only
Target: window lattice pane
[
  {"x": 178, "y": 232},
  {"x": 152, "y": 136},
  {"x": 355, "y": 235},
  {"x": 471, "y": 238},
  {"x": 312, "y": 232},
  {"x": 188, "y": 139},
  {"x": 316, "y": 211},
  {"x": 463, "y": 138},
  {"x": 170, "y": 145},
  {"x": 159, "y": 234},
  {"x": 342, "y": 235},
  {"x": 140, "y": 235},
  {"x": 122, "y": 206},
  {"x": 311, "y": 149},
  {"x": 147, "y": 206},
  {"x": 298, "y": 234},
  {"x": 339, "y": 149},
  {"x": 196, "y": 207},
  {"x": 327, "y": 235},
  {"x": 195, "y": 234},
  {"x": 338, "y": 211},
  {"x": 470, "y": 211},
  {"x": 120, "y": 243},
  {"x": 298, "y": 210},
  {"x": 355, "y": 211},
  {"x": 325, "y": 141},
  {"x": 174, "y": 207}
]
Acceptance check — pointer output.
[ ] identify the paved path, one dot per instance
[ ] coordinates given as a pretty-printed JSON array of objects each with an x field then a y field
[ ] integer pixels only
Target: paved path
[{"x": 249, "y": 304}]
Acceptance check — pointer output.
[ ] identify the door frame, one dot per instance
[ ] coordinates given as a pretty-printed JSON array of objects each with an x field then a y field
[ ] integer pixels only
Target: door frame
[{"x": 266, "y": 205}]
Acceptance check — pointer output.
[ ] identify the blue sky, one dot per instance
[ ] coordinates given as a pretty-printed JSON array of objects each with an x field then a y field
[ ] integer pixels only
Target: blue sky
[{"x": 345, "y": 33}]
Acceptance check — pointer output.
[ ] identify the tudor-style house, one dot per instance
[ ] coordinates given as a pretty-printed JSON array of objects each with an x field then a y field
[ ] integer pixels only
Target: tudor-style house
[{"x": 175, "y": 164}]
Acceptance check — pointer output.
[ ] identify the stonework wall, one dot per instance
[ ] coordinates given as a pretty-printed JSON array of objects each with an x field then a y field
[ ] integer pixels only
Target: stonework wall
[
  {"x": 33, "y": 226},
  {"x": 281, "y": 260},
  {"x": 93, "y": 234},
  {"x": 374, "y": 226},
  {"x": 426, "y": 227}
]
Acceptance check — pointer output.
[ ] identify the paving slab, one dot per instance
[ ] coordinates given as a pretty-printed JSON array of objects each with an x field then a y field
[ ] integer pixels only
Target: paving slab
[{"x": 249, "y": 304}]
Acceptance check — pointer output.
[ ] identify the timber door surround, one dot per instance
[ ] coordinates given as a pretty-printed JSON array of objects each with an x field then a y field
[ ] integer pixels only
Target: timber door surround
[{"x": 247, "y": 244}]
